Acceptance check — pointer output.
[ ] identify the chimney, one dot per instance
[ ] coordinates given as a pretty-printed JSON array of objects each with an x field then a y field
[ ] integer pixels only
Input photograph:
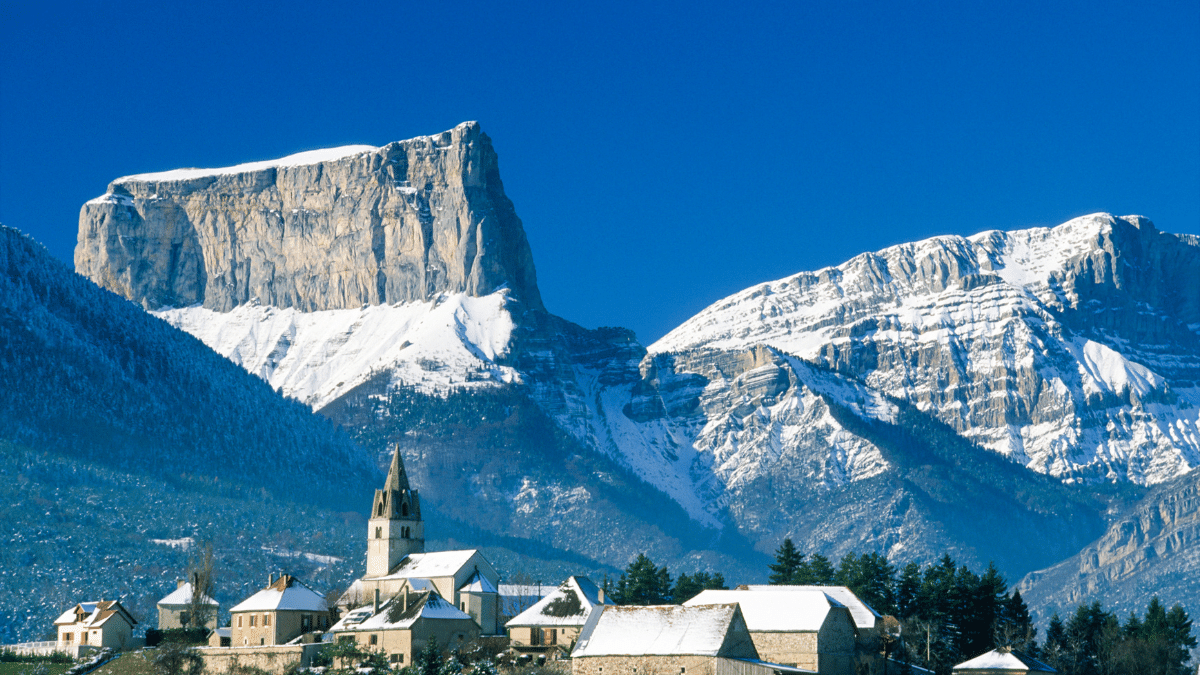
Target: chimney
[
  {"x": 600, "y": 594},
  {"x": 179, "y": 583},
  {"x": 270, "y": 578},
  {"x": 404, "y": 598},
  {"x": 376, "y": 603}
]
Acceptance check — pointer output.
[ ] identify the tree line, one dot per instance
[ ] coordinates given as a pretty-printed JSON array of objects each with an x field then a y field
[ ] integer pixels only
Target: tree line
[{"x": 944, "y": 613}]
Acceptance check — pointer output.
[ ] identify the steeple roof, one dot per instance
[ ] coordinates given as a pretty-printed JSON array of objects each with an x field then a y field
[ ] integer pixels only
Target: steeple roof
[{"x": 397, "y": 479}]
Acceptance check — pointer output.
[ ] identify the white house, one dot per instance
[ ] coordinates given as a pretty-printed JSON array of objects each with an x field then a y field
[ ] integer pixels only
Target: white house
[{"x": 105, "y": 623}]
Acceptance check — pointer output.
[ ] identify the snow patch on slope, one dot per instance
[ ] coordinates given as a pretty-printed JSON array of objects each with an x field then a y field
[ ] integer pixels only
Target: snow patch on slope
[{"x": 315, "y": 357}]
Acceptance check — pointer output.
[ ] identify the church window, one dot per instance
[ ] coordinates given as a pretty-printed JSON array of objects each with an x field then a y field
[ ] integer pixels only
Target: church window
[
  {"x": 379, "y": 533},
  {"x": 403, "y": 509},
  {"x": 379, "y": 509}
]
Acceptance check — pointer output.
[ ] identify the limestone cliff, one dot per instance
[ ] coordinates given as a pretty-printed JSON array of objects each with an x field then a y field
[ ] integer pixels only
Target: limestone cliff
[{"x": 328, "y": 229}]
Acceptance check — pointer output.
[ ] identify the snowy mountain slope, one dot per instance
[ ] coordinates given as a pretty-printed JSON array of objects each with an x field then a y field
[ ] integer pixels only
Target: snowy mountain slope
[
  {"x": 996, "y": 334},
  {"x": 453, "y": 341}
]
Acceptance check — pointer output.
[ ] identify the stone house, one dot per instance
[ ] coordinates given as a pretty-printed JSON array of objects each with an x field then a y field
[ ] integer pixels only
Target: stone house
[
  {"x": 173, "y": 608},
  {"x": 397, "y": 561},
  {"x": 695, "y": 640},
  {"x": 279, "y": 613},
  {"x": 553, "y": 623},
  {"x": 868, "y": 624},
  {"x": 804, "y": 629},
  {"x": 94, "y": 624},
  {"x": 1003, "y": 662},
  {"x": 402, "y": 627}
]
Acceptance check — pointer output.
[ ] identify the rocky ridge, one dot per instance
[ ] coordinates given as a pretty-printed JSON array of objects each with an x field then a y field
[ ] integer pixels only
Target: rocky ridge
[{"x": 333, "y": 229}]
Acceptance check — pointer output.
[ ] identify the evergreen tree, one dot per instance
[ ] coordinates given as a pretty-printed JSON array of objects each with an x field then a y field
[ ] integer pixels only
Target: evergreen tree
[
  {"x": 907, "y": 589},
  {"x": 687, "y": 587},
  {"x": 1014, "y": 628},
  {"x": 643, "y": 583},
  {"x": 1085, "y": 634},
  {"x": 818, "y": 571},
  {"x": 452, "y": 666},
  {"x": 871, "y": 578},
  {"x": 1054, "y": 651},
  {"x": 430, "y": 660},
  {"x": 484, "y": 667},
  {"x": 786, "y": 567}
]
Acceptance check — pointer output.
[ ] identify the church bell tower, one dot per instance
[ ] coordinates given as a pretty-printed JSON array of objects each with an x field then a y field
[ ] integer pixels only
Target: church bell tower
[{"x": 395, "y": 528}]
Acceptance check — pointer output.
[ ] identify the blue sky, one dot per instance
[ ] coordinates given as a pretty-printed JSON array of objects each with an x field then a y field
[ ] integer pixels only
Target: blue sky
[{"x": 660, "y": 155}]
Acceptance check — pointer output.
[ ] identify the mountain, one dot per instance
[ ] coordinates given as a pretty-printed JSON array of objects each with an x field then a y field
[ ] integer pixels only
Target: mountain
[
  {"x": 124, "y": 441},
  {"x": 962, "y": 394}
]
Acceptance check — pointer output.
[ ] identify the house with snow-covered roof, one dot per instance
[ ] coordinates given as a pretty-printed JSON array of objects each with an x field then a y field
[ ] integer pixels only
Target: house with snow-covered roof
[
  {"x": 397, "y": 561},
  {"x": 805, "y": 629},
  {"x": 99, "y": 624},
  {"x": 1003, "y": 662},
  {"x": 173, "y": 609},
  {"x": 403, "y": 625},
  {"x": 553, "y": 623},
  {"x": 279, "y": 613},
  {"x": 695, "y": 640},
  {"x": 868, "y": 623}
]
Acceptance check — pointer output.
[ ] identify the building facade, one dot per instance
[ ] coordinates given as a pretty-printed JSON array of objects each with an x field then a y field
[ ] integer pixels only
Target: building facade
[
  {"x": 101, "y": 624},
  {"x": 278, "y": 614}
]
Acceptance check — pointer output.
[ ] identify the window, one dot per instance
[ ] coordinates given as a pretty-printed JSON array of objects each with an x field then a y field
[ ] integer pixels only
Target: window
[
  {"x": 83, "y": 638},
  {"x": 253, "y": 620},
  {"x": 262, "y": 641},
  {"x": 374, "y": 639},
  {"x": 305, "y": 622},
  {"x": 552, "y": 638},
  {"x": 379, "y": 533},
  {"x": 266, "y": 619},
  {"x": 245, "y": 642},
  {"x": 535, "y": 636},
  {"x": 403, "y": 509},
  {"x": 321, "y": 625},
  {"x": 67, "y": 637},
  {"x": 464, "y": 605},
  {"x": 239, "y": 621}
]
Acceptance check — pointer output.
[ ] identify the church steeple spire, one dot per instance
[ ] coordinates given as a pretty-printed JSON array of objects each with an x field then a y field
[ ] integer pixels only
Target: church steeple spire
[
  {"x": 395, "y": 528},
  {"x": 397, "y": 479}
]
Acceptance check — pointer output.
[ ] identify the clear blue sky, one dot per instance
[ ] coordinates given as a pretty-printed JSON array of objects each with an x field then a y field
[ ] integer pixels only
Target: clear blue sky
[{"x": 660, "y": 155}]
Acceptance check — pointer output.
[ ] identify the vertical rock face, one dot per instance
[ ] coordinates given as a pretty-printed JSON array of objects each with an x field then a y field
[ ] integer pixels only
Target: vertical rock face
[{"x": 322, "y": 230}]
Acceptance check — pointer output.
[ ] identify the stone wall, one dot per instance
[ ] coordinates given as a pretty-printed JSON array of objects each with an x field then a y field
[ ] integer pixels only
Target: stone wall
[{"x": 273, "y": 659}]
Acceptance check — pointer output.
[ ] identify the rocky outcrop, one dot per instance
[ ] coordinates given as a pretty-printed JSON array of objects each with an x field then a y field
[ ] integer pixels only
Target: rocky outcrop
[
  {"x": 323, "y": 230},
  {"x": 1153, "y": 549}
]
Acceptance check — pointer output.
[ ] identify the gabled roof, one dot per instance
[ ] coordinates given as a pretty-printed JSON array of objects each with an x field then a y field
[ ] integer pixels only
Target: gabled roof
[
  {"x": 94, "y": 614},
  {"x": 864, "y": 615},
  {"x": 478, "y": 584},
  {"x": 569, "y": 605},
  {"x": 421, "y": 585},
  {"x": 438, "y": 564},
  {"x": 781, "y": 611},
  {"x": 424, "y": 605},
  {"x": 1001, "y": 660},
  {"x": 285, "y": 594},
  {"x": 661, "y": 630},
  {"x": 183, "y": 596}
]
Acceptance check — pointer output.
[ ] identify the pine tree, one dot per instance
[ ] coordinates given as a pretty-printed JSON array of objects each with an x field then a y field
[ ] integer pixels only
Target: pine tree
[
  {"x": 430, "y": 660},
  {"x": 788, "y": 562},
  {"x": 871, "y": 578},
  {"x": 452, "y": 666},
  {"x": 1054, "y": 651},
  {"x": 1014, "y": 628},
  {"x": 643, "y": 583},
  {"x": 818, "y": 571},
  {"x": 907, "y": 589}
]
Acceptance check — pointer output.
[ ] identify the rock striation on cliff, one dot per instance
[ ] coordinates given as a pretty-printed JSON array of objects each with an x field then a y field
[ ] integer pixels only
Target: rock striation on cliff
[{"x": 328, "y": 229}]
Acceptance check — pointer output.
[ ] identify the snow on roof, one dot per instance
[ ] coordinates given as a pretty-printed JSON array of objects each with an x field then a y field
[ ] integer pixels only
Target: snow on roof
[
  {"x": 298, "y": 159},
  {"x": 783, "y": 611},
  {"x": 864, "y": 615},
  {"x": 425, "y": 605},
  {"x": 94, "y": 613},
  {"x": 662, "y": 630},
  {"x": 478, "y": 584},
  {"x": 283, "y": 595},
  {"x": 569, "y": 605},
  {"x": 526, "y": 590},
  {"x": 421, "y": 585},
  {"x": 183, "y": 596},
  {"x": 1005, "y": 660},
  {"x": 429, "y": 565}
]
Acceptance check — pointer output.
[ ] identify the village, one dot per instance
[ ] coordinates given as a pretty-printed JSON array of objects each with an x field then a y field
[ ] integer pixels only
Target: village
[{"x": 414, "y": 608}]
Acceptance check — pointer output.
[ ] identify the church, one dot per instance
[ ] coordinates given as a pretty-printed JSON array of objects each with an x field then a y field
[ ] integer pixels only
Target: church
[{"x": 409, "y": 595}]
